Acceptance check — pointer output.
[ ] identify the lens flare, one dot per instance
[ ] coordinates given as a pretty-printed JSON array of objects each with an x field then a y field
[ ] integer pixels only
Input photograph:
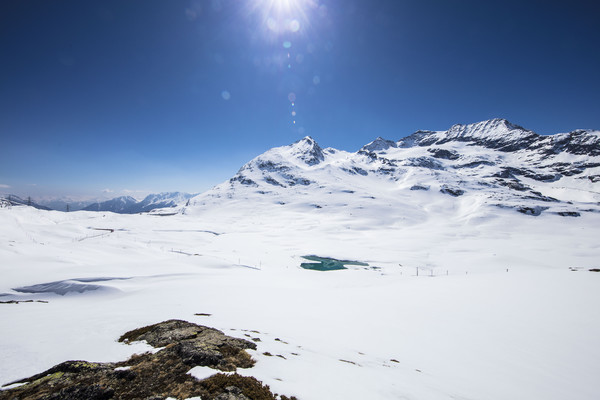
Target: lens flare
[
  {"x": 285, "y": 25},
  {"x": 294, "y": 25},
  {"x": 284, "y": 16}
]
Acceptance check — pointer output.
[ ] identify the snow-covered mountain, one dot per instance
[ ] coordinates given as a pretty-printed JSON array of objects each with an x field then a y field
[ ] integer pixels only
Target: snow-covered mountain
[
  {"x": 64, "y": 203},
  {"x": 12, "y": 200},
  {"x": 161, "y": 200},
  {"x": 120, "y": 205},
  {"x": 479, "y": 167},
  {"x": 129, "y": 205},
  {"x": 467, "y": 251}
]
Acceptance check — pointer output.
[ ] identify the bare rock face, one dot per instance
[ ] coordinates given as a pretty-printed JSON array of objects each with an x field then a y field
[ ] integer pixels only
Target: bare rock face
[
  {"x": 154, "y": 375},
  {"x": 195, "y": 345}
]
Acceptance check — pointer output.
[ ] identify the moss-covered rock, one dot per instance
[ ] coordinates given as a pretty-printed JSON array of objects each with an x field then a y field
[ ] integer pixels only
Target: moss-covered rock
[{"x": 154, "y": 375}]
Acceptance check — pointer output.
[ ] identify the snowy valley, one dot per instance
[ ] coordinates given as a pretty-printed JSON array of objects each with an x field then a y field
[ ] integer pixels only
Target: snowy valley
[{"x": 476, "y": 253}]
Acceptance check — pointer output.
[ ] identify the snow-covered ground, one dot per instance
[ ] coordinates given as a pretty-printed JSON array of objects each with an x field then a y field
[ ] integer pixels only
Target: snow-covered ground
[
  {"x": 479, "y": 243},
  {"x": 470, "y": 331}
]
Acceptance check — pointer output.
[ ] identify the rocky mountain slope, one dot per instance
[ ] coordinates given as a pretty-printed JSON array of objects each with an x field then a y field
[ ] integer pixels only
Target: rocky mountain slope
[{"x": 472, "y": 167}]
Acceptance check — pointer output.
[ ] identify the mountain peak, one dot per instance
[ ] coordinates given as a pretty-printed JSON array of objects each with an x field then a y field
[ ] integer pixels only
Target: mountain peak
[
  {"x": 497, "y": 133},
  {"x": 379, "y": 144},
  {"x": 308, "y": 139},
  {"x": 308, "y": 151},
  {"x": 486, "y": 128}
]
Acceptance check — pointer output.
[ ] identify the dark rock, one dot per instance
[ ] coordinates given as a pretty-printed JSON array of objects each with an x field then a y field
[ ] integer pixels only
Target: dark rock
[
  {"x": 594, "y": 178},
  {"x": 535, "y": 211},
  {"x": 232, "y": 393},
  {"x": 82, "y": 392},
  {"x": 154, "y": 375},
  {"x": 273, "y": 182},
  {"x": 419, "y": 187},
  {"x": 545, "y": 177},
  {"x": 270, "y": 166},
  {"x": 425, "y": 162},
  {"x": 513, "y": 184},
  {"x": 125, "y": 374},
  {"x": 386, "y": 171},
  {"x": 475, "y": 164},
  {"x": 569, "y": 214},
  {"x": 541, "y": 197},
  {"x": 356, "y": 170},
  {"x": 570, "y": 169},
  {"x": 232, "y": 387},
  {"x": 444, "y": 154},
  {"x": 293, "y": 180},
  {"x": 164, "y": 333},
  {"x": 387, "y": 161},
  {"x": 21, "y": 301},
  {"x": 511, "y": 172},
  {"x": 504, "y": 173},
  {"x": 370, "y": 154},
  {"x": 452, "y": 191},
  {"x": 243, "y": 180},
  {"x": 197, "y": 355}
]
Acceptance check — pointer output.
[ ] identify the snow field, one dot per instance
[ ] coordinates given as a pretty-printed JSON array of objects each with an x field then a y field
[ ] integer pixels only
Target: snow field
[{"x": 478, "y": 332}]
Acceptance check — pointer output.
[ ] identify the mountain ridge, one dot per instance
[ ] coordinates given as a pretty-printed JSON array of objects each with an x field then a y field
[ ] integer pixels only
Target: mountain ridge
[
  {"x": 502, "y": 164},
  {"x": 129, "y": 205},
  {"x": 503, "y": 135},
  {"x": 121, "y": 204}
]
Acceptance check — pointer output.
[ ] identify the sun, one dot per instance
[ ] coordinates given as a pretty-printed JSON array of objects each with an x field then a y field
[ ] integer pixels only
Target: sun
[
  {"x": 280, "y": 16},
  {"x": 283, "y": 5}
]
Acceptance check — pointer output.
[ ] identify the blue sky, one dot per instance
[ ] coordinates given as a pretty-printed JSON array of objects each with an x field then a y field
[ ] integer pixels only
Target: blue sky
[{"x": 103, "y": 98}]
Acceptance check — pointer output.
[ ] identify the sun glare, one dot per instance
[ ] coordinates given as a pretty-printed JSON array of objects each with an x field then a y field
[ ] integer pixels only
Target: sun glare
[
  {"x": 284, "y": 26},
  {"x": 281, "y": 16}
]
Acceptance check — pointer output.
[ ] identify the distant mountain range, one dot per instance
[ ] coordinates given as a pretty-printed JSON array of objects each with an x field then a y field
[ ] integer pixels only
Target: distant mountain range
[
  {"x": 122, "y": 205},
  {"x": 64, "y": 204},
  {"x": 12, "y": 200},
  {"x": 129, "y": 205}
]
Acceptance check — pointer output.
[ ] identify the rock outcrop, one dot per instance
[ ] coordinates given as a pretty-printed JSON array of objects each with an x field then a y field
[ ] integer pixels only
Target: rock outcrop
[{"x": 159, "y": 375}]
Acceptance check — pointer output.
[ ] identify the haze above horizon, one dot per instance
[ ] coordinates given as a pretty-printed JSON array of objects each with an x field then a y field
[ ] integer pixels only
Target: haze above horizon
[{"x": 104, "y": 98}]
